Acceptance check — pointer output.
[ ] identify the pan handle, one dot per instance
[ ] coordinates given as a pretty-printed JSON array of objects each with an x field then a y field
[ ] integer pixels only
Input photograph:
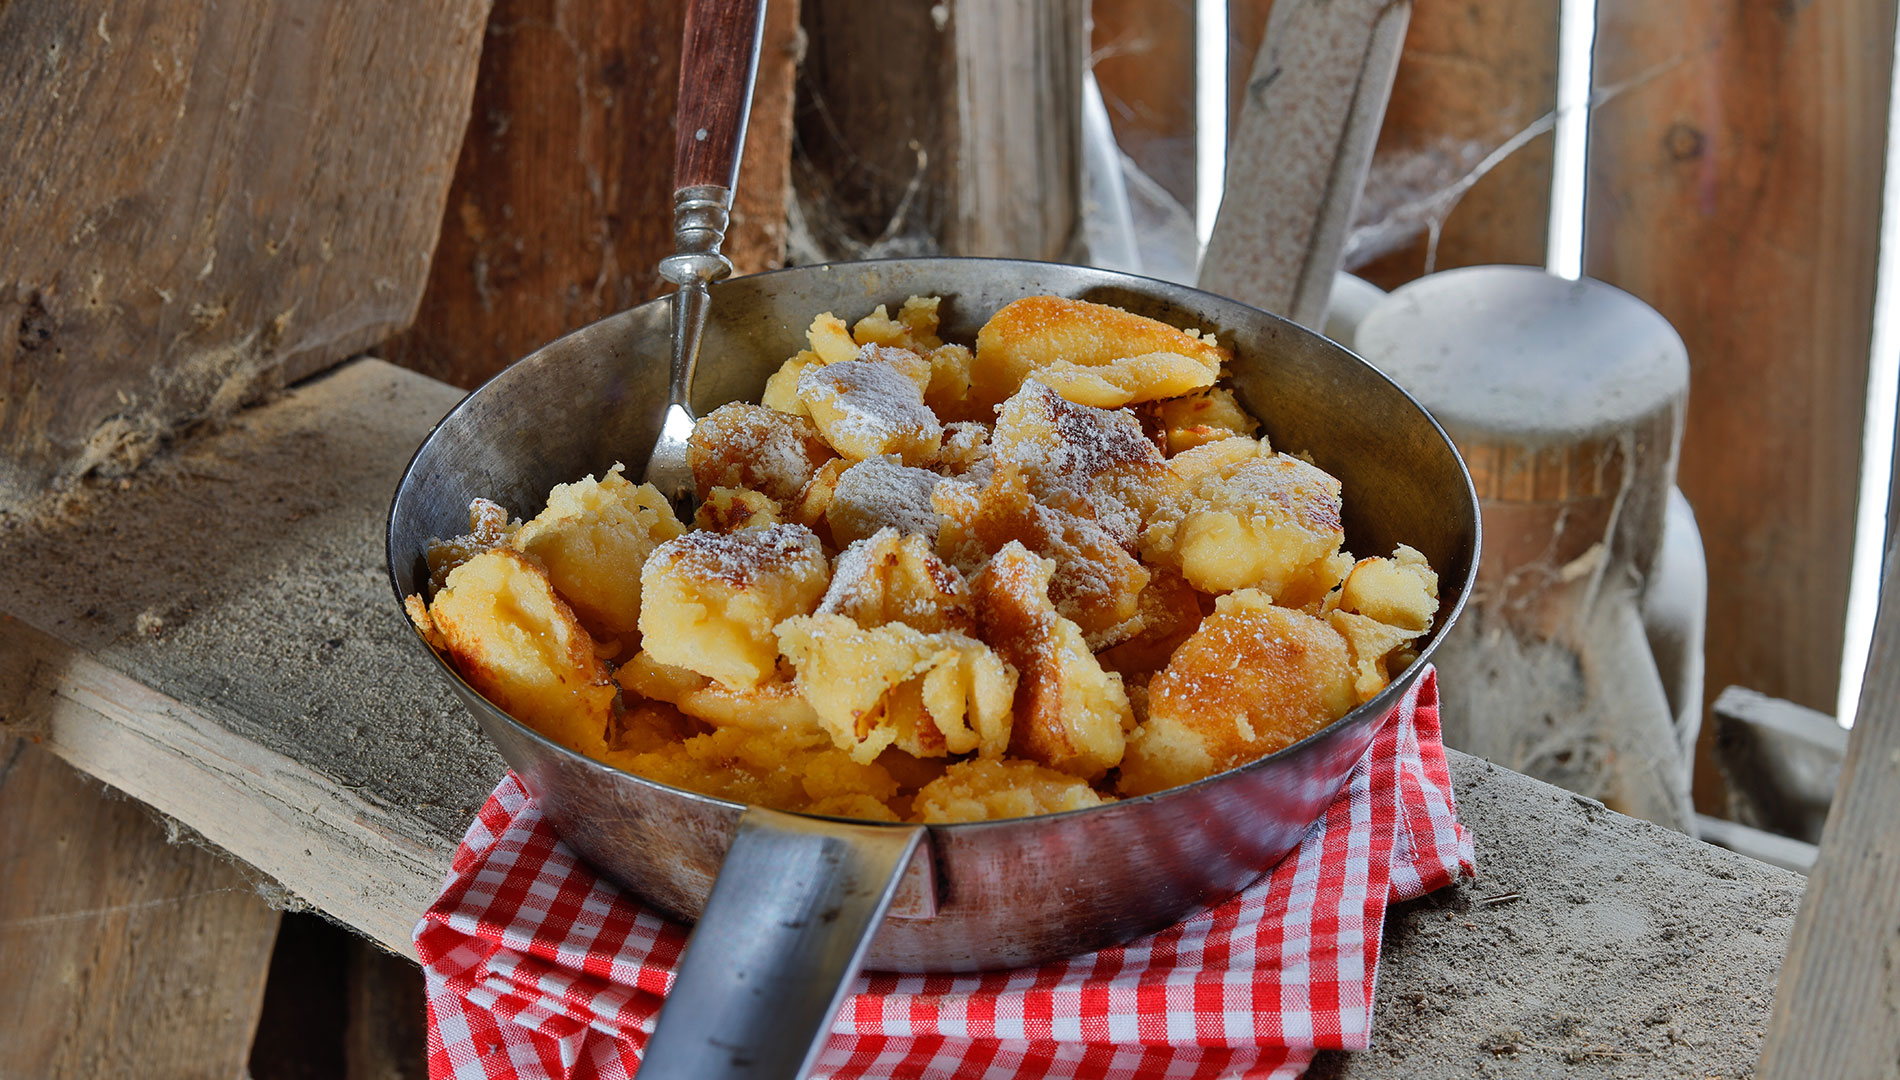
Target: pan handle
[{"x": 783, "y": 933}]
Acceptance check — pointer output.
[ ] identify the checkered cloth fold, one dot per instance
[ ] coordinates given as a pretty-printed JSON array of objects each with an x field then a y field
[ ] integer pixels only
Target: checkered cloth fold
[{"x": 537, "y": 968}]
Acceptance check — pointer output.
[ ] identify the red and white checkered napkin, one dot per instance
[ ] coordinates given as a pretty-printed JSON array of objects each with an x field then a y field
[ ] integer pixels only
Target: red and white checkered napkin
[{"x": 536, "y": 968}]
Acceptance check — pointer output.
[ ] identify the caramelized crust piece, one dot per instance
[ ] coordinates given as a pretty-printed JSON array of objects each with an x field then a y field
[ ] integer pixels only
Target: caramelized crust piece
[
  {"x": 929, "y": 695},
  {"x": 1092, "y": 463},
  {"x": 1199, "y": 418},
  {"x": 1040, "y": 331},
  {"x": 874, "y": 405},
  {"x": 710, "y": 600},
  {"x": 593, "y": 538},
  {"x": 950, "y": 394},
  {"x": 1097, "y": 584},
  {"x": 753, "y": 447},
  {"x": 518, "y": 643},
  {"x": 1261, "y": 522},
  {"x": 781, "y": 390},
  {"x": 1401, "y": 591},
  {"x": 488, "y": 527},
  {"x": 1384, "y": 605},
  {"x": 1253, "y": 679},
  {"x": 774, "y": 705},
  {"x": 1169, "y": 611},
  {"x": 830, "y": 341},
  {"x": 890, "y": 577},
  {"x": 915, "y": 327},
  {"x": 990, "y": 790},
  {"x": 1070, "y": 714},
  {"x": 732, "y": 509},
  {"x": 1149, "y": 377}
]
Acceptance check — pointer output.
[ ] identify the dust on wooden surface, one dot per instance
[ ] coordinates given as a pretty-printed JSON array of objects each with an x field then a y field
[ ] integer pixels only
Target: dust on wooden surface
[
  {"x": 1592, "y": 946},
  {"x": 244, "y": 574}
]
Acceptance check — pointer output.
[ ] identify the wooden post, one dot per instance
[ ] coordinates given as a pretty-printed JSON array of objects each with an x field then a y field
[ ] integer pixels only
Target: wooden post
[
  {"x": 1837, "y": 1005},
  {"x": 970, "y": 145},
  {"x": 1736, "y": 156},
  {"x": 562, "y": 204},
  {"x": 202, "y": 201},
  {"x": 1314, "y": 102},
  {"x": 1144, "y": 62},
  {"x": 1476, "y": 90},
  {"x": 1018, "y": 175},
  {"x": 126, "y": 955},
  {"x": 1246, "y": 29}
]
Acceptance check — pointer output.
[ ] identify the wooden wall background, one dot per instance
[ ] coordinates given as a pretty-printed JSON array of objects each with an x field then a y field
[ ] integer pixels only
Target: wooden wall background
[
  {"x": 201, "y": 201},
  {"x": 1735, "y": 185},
  {"x": 562, "y": 203}
]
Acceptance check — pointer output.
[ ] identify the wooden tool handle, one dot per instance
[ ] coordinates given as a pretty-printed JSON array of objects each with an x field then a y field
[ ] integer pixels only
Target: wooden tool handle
[{"x": 719, "y": 57}]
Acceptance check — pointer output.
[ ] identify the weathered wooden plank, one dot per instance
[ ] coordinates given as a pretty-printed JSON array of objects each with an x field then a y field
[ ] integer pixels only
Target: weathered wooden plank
[
  {"x": 1782, "y": 761},
  {"x": 1018, "y": 177},
  {"x": 1735, "y": 185},
  {"x": 357, "y": 861},
  {"x": 1144, "y": 62},
  {"x": 562, "y": 204},
  {"x": 1314, "y": 102},
  {"x": 1246, "y": 29},
  {"x": 126, "y": 955},
  {"x": 387, "y": 1035},
  {"x": 969, "y": 146},
  {"x": 1457, "y": 151},
  {"x": 203, "y": 201},
  {"x": 1837, "y": 1007}
]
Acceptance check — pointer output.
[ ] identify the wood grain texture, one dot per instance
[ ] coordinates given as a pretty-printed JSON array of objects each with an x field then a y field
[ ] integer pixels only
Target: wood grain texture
[
  {"x": 1735, "y": 185},
  {"x": 356, "y": 861},
  {"x": 1474, "y": 80},
  {"x": 126, "y": 955},
  {"x": 871, "y": 157},
  {"x": 1017, "y": 179},
  {"x": 720, "y": 55},
  {"x": 1299, "y": 155},
  {"x": 205, "y": 200},
  {"x": 1143, "y": 58},
  {"x": 387, "y": 1036},
  {"x": 1837, "y": 1005},
  {"x": 562, "y": 203},
  {"x": 1246, "y": 29},
  {"x": 755, "y": 241},
  {"x": 970, "y": 146}
]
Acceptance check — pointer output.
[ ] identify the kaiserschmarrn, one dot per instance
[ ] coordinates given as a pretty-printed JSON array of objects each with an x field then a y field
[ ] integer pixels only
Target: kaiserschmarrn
[{"x": 933, "y": 583}]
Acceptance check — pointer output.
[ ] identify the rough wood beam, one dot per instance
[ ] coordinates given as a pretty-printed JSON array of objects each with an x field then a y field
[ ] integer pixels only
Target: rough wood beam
[
  {"x": 353, "y": 859},
  {"x": 203, "y": 201}
]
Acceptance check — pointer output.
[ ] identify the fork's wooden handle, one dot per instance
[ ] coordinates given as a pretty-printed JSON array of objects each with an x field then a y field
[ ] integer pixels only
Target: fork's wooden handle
[{"x": 718, "y": 59}]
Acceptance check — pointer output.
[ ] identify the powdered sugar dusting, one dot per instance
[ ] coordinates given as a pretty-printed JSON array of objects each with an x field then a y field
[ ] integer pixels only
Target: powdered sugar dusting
[
  {"x": 880, "y": 492},
  {"x": 740, "y": 558},
  {"x": 874, "y": 402}
]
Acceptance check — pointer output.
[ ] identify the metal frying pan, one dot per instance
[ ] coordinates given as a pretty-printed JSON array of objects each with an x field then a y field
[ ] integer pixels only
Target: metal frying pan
[{"x": 800, "y": 900}]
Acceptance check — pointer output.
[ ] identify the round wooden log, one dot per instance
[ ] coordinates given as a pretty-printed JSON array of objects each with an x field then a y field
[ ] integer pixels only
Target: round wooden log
[{"x": 1567, "y": 400}]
